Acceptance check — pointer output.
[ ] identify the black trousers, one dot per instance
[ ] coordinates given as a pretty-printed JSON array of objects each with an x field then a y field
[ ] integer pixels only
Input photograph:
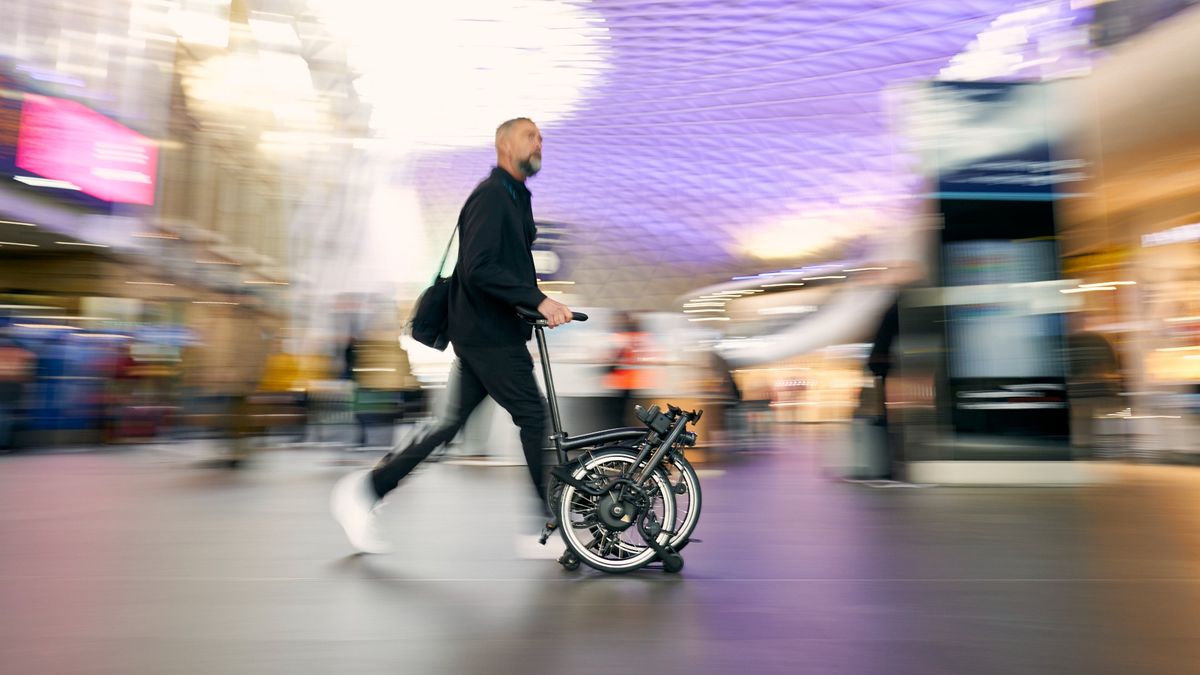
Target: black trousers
[{"x": 504, "y": 373}]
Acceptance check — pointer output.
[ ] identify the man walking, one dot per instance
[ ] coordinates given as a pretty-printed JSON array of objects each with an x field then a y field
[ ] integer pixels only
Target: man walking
[{"x": 494, "y": 274}]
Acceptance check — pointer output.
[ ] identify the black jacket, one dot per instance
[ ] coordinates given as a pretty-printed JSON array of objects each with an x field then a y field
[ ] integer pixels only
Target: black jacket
[{"x": 495, "y": 265}]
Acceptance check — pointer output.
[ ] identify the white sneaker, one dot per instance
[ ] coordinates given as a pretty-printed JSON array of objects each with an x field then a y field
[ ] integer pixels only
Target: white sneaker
[{"x": 353, "y": 503}]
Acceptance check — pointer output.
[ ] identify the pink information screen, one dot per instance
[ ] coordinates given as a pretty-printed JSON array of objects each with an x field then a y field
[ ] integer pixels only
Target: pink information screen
[{"x": 63, "y": 140}]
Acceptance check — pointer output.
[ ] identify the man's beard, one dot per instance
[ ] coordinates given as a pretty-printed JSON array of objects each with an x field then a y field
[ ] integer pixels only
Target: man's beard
[{"x": 530, "y": 165}]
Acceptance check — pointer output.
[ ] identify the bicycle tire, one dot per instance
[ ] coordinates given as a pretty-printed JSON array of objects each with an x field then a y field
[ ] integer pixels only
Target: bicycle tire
[
  {"x": 573, "y": 515},
  {"x": 690, "y": 518}
]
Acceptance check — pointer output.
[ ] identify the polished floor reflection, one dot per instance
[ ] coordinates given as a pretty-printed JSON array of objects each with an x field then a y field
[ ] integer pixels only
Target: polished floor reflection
[{"x": 140, "y": 561}]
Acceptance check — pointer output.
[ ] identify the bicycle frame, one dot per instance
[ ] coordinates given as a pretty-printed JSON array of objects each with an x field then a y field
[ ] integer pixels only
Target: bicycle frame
[{"x": 563, "y": 443}]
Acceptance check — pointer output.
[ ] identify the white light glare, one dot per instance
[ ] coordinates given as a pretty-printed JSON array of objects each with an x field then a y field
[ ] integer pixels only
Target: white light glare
[
  {"x": 1088, "y": 290},
  {"x": 1108, "y": 283},
  {"x": 274, "y": 30},
  {"x": 46, "y": 183},
  {"x": 450, "y": 77},
  {"x": 196, "y": 27}
]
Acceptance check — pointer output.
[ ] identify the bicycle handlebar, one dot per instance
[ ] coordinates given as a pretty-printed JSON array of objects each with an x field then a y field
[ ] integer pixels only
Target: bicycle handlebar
[{"x": 537, "y": 319}]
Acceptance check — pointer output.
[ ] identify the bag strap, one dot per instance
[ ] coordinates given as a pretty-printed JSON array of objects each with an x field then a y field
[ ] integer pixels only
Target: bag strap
[{"x": 445, "y": 254}]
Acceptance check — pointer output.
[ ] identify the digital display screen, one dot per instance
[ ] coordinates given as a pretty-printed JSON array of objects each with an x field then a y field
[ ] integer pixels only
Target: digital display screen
[
  {"x": 998, "y": 340},
  {"x": 66, "y": 141}
]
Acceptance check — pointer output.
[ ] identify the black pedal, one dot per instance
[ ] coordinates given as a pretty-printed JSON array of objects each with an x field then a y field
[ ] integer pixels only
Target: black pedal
[{"x": 546, "y": 532}]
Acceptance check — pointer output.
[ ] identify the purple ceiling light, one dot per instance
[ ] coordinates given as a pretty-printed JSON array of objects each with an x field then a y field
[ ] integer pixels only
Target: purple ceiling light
[{"x": 717, "y": 121}]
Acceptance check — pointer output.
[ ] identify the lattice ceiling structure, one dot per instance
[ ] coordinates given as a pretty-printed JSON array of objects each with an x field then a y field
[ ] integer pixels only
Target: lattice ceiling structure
[{"x": 711, "y": 138}]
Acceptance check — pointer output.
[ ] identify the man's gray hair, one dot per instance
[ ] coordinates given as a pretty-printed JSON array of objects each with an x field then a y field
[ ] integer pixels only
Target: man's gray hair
[{"x": 507, "y": 126}]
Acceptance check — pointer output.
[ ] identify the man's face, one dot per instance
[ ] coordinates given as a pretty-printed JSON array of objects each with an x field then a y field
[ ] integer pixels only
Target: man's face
[{"x": 525, "y": 147}]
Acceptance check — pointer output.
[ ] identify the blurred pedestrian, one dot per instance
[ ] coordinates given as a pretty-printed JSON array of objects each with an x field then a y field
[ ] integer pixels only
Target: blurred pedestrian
[
  {"x": 881, "y": 452},
  {"x": 626, "y": 375},
  {"x": 16, "y": 369},
  {"x": 1093, "y": 387},
  {"x": 494, "y": 274}
]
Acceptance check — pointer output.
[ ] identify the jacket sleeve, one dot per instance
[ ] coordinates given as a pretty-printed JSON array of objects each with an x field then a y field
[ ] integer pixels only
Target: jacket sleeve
[{"x": 482, "y": 241}]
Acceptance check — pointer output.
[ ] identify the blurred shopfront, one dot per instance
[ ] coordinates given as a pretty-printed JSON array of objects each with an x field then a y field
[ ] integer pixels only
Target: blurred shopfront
[{"x": 1138, "y": 231}]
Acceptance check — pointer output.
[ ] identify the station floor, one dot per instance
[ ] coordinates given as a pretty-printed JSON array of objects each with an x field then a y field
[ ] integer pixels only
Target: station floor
[{"x": 144, "y": 560}]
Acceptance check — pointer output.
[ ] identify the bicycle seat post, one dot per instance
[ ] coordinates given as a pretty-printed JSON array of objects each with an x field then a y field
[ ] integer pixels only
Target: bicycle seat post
[{"x": 551, "y": 396}]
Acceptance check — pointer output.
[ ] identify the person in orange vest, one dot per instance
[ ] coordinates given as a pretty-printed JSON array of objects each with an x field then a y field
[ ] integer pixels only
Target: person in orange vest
[{"x": 627, "y": 373}]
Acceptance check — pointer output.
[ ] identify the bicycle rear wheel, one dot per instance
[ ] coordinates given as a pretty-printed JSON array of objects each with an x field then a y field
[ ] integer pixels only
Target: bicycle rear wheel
[{"x": 601, "y": 541}]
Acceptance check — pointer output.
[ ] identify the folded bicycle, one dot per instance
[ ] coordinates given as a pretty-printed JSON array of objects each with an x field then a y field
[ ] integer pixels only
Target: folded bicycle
[{"x": 625, "y": 497}]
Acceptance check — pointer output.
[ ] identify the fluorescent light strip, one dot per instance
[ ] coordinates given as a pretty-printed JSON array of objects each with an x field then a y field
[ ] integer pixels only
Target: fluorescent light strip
[
  {"x": 103, "y": 335},
  {"x": 63, "y": 317},
  {"x": 710, "y": 318},
  {"x": 17, "y": 243},
  {"x": 831, "y": 276},
  {"x": 1108, "y": 283},
  {"x": 1178, "y": 349},
  {"x": 16, "y": 222},
  {"x": 81, "y": 243},
  {"x": 866, "y": 269},
  {"x": 1088, "y": 290},
  {"x": 701, "y": 311},
  {"x": 782, "y": 285},
  {"x": 48, "y": 326}
]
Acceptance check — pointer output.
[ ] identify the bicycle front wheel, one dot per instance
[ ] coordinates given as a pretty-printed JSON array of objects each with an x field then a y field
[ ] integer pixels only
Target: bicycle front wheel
[{"x": 686, "y": 486}]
